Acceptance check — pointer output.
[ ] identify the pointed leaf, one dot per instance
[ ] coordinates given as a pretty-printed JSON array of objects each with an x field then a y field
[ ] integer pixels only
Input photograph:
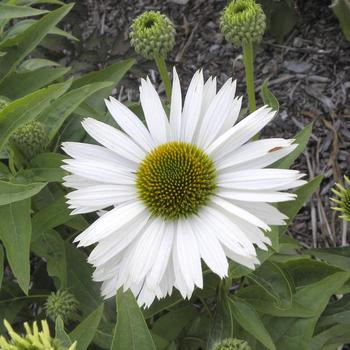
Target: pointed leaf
[
  {"x": 131, "y": 330},
  {"x": 15, "y": 233}
]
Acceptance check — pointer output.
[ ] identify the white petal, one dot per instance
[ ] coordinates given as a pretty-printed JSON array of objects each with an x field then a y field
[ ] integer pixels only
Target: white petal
[
  {"x": 264, "y": 211},
  {"x": 256, "y": 196},
  {"x": 233, "y": 209},
  {"x": 113, "y": 139},
  {"x": 146, "y": 251},
  {"x": 175, "y": 108},
  {"x": 249, "y": 262},
  {"x": 210, "y": 248},
  {"x": 87, "y": 151},
  {"x": 254, "y": 152},
  {"x": 156, "y": 119},
  {"x": 77, "y": 182},
  {"x": 188, "y": 254},
  {"x": 101, "y": 196},
  {"x": 209, "y": 92},
  {"x": 99, "y": 171},
  {"x": 192, "y": 107},
  {"x": 216, "y": 115},
  {"x": 258, "y": 179},
  {"x": 160, "y": 264},
  {"x": 240, "y": 133},
  {"x": 130, "y": 123},
  {"x": 110, "y": 223}
]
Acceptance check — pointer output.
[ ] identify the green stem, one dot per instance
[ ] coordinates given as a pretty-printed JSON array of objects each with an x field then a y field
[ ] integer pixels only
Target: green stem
[
  {"x": 23, "y": 298},
  {"x": 163, "y": 71},
  {"x": 248, "y": 58}
]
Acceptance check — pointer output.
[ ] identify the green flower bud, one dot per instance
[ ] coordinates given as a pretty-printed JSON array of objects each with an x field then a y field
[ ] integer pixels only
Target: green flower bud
[
  {"x": 243, "y": 21},
  {"x": 4, "y": 101},
  {"x": 233, "y": 344},
  {"x": 343, "y": 200},
  {"x": 62, "y": 303},
  {"x": 33, "y": 339},
  {"x": 152, "y": 34},
  {"x": 30, "y": 139}
]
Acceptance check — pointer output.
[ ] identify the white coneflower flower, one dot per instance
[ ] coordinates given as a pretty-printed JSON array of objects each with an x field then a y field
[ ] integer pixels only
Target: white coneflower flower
[{"x": 180, "y": 190}]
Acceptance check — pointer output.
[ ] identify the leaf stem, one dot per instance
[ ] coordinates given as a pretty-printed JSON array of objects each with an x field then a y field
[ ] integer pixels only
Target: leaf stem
[
  {"x": 164, "y": 74},
  {"x": 24, "y": 298},
  {"x": 248, "y": 58}
]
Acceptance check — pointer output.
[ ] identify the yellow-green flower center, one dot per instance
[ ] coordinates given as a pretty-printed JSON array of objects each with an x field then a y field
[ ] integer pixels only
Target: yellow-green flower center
[{"x": 175, "y": 180}]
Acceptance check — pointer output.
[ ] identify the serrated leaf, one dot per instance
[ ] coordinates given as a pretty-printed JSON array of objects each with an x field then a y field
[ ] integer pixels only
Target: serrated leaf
[
  {"x": 86, "y": 330},
  {"x": 25, "y": 109},
  {"x": 250, "y": 321},
  {"x": 131, "y": 330},
  {"x": 19, "y": 47},
  {"x": 10, "y": 192},
  {"x": 15, "y": 234}
]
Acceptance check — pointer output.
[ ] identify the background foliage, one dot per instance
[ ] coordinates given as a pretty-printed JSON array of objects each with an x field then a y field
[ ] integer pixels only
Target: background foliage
[{"x": 297, "y": 299}]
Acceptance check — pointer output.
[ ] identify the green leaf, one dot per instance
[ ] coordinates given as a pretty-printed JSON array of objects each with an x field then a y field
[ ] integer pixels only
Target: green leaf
[
  {"x": 171, "y": 324},
  {"x": 25, "y": 109},
  {"x": 268, "y": 97},
  {"x": 15, "y": 233},
  {"x": 19, "y": 84},
  {"x": 33, "y": 64},
  {"x": 86, "y": 330},
  {"x": 10, "y": 192},
  {"x": 334, "y": 337},
  {"x": 44, "y": 167},
  {"x": 341, "y": 9},
  {"x": 51, "y": 216},
  {"x": 114, "y": 73},
  {"x": 79, "y": 280},
  {"x": 301, "y": 139},
  {"x": 222, "y": 324},
  {"x": 13, "y": 11},
  {"x": 19, "y": 47},
  {"x": 55, "y": 115},
  {"x": 274, "y": 281},
  {"x": 303, "y": 193},
  {"x": 339, "y": 257},
  {"x": 61, "y": 334},
  {"x": 250, "y": 321},
  {"x": 131, "y": 330},
  {"x": 51, "y": 247},
  {"x": 2, "y": 261},
  {"x": 162, "y": 304},
  {"x": 296, "y": 333}
]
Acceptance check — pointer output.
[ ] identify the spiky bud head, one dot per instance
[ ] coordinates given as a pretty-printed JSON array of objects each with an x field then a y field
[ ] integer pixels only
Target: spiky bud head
[
  {"x": 4, "y": 101},
  {"x": 243, "y": 21},
  {"x": 233, "y": 344},
  {"x": 63, "y": 304},
  {"x": 152, "y": 34},
  {"x": 343, "y": 200},
  {"x": 30, "y": 139},
  {"x": 33, "y": 339}
]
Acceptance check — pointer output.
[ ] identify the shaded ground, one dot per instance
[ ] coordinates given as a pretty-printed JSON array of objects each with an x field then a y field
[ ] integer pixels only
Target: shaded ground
[{"x": 309, "y": 74}]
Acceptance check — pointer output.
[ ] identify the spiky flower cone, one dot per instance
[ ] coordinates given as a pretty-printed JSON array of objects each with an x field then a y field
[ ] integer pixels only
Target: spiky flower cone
[
  {"x": 33, "y": 339},
  {"x": 30, "y": 139},
  {"x": 233, "y": 344},
  {"x": 343, "y": 200},
  {"x": 63, "y": 304},
  {"x": 243, "y": 21},
  {"x": 152, "y": 34}
]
